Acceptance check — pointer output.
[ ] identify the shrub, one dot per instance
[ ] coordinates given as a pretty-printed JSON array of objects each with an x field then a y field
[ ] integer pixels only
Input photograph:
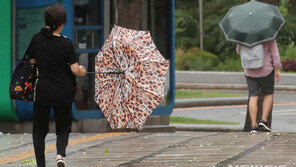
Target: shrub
[
  {"x": 230, "y": 64},
  {"x": 287, "y": 52},
  {"x": 179, "y": 59},
  {"x": 289, "y": 65},
  {"x": 195, "y": 60}
]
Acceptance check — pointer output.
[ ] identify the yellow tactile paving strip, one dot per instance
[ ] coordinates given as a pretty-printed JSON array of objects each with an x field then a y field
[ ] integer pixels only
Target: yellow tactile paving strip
[{"x": 49, "y": 148}]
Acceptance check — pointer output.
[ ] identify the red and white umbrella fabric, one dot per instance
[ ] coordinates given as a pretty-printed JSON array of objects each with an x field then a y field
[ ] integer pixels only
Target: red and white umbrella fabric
[{"x": 130, "y": 77}]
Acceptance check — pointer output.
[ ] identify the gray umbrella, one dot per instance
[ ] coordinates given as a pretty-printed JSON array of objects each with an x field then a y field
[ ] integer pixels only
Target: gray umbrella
[{"x": 252, "y": 23}]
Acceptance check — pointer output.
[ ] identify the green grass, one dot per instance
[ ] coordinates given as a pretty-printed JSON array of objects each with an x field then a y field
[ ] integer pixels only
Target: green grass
[
  {"x": 182, "y": 94},
  {"x": 183, "y": 120},
  {"x": 288, "y": 72}
]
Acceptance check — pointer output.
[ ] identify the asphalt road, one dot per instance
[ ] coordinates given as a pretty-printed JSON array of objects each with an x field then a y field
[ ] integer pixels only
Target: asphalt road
[{"x": 284, "y": 112}]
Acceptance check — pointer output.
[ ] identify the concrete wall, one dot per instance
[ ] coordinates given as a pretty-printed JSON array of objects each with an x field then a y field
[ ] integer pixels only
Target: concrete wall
[{"x": 226, "y": 78}]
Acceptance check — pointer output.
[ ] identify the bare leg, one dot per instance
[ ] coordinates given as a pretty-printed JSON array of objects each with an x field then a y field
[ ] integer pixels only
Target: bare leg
[
  {"x": 253, "y": 109},
  {"x": 267, "y": 106}
]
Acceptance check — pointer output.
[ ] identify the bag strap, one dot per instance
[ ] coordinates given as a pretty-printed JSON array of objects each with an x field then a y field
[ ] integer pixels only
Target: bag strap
[{"x": 26, "y": 53}]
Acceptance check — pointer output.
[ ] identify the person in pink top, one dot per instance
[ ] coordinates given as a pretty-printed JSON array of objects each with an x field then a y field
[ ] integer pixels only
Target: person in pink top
[{"x": 263, "y": 78}]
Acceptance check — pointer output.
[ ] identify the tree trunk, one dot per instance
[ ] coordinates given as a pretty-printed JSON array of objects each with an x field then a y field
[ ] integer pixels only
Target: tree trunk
[
  {"x": 130, "y": 14},
  {"x": 248, "y": 123},
  {"x": 273, "y": 2}
]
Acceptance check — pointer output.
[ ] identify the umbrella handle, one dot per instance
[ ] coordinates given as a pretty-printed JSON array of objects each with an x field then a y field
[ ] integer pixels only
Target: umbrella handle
[{"x": 107, "y": 72}]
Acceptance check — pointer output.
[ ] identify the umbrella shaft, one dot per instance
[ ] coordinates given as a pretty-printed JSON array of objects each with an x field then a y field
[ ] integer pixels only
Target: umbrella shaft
[{"x": 109, "y": 72}]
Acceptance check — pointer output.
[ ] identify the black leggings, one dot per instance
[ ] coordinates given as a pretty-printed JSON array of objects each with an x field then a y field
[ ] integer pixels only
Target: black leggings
[{"x": 63, "y": 120}]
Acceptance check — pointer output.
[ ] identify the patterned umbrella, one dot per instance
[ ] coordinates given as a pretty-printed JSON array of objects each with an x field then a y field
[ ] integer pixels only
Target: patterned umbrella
[{"x": 130, "y": 77}]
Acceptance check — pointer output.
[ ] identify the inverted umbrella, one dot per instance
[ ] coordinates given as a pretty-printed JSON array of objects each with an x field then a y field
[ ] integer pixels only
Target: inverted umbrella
[
  {"x": 130, "y": 77},
  {"x": 252, "y": 23}
]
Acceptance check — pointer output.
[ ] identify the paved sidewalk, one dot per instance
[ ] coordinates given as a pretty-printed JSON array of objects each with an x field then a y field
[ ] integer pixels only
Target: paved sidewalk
[{"x": 198, "y": 149}]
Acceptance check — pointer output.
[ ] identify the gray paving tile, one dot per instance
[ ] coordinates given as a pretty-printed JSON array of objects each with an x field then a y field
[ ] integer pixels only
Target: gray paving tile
[{"x": 165, "y": 149}]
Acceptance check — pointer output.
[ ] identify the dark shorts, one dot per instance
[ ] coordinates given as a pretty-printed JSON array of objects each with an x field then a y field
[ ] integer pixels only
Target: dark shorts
[{"x": 266, "y": 84}]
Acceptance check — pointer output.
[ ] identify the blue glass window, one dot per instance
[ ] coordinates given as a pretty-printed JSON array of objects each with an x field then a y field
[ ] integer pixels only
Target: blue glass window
[{"x": 88, "y": 39}]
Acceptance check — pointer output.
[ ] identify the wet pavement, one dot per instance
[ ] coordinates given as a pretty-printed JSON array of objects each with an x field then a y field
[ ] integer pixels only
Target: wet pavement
[
  {"x": 158, "y": 149},
  {"x": 283, "y": 114}
]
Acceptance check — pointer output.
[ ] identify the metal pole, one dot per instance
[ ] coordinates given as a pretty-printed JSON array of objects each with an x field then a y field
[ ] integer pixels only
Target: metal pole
[
  {"x": 106, "y": 20},
  {"x": 200, "y": 24}
]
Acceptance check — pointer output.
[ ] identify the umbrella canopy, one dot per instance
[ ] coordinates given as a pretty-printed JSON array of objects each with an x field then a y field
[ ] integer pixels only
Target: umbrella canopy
[
  {"x": 252, "y": 23},
  {"x": 128, "y": 97}
]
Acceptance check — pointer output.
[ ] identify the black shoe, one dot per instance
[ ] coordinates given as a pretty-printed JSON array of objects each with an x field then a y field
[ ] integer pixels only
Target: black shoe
[
  {"x": 254, "y": 129},
  {"x": 264, "y": 126}
]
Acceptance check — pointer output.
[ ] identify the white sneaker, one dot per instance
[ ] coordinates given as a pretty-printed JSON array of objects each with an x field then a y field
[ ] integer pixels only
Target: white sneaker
[{"x": 61, "y": 161}]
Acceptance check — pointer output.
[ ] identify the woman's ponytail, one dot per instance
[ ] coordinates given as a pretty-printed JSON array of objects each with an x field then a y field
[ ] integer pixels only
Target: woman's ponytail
[{"x": 47, "y": 31}]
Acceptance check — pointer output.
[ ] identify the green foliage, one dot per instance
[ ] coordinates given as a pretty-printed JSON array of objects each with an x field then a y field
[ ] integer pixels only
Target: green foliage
[
  {"x": 287, "y": 35},
  {"x": 186, "y": 19},
  {"x": 195, "y": 60},
  {"x": 187, "y": 34},
  {"x": 287, "y": 52},
  {"x": 214, "y": 40},
  {"x": 230, "y": 64},
  {"x": 186, "y": 29}
]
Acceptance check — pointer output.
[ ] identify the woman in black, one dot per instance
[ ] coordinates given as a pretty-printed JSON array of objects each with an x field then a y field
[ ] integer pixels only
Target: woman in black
[{"x": 57, "y": 65}]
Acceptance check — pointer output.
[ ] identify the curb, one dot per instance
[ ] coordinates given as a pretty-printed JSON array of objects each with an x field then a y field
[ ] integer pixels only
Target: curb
[
  {"x": 208, "y": 128},
  {"x": 211, "y": 86},
  {"x": 179, "y": 103},
  {"x": 227, "y": 86},
  {"x": 225, "y": 78}
]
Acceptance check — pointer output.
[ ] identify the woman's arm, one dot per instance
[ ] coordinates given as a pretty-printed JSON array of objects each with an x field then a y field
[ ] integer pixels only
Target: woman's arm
[
  {"x": 237, "y": 49},
  {"x": 274, "y": 51},
  {"x": 277, "y": 74},
  {"x": 77, "y": 70},
  {"x": 32, "y": 61}
]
